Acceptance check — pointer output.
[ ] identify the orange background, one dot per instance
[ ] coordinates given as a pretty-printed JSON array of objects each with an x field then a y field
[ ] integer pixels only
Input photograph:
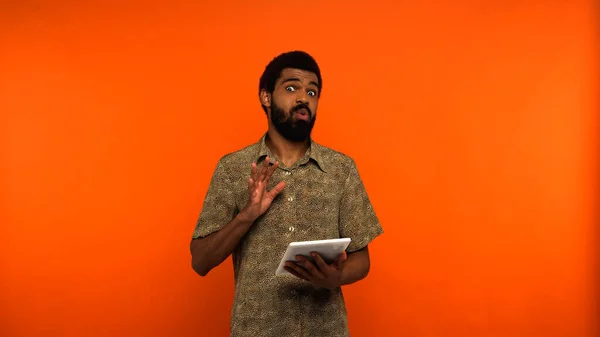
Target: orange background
[{"x": 472, "y": 123}]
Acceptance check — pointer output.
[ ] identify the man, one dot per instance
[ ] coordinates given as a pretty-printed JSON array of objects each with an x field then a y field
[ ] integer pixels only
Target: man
[{"x": 286, "y": 188}]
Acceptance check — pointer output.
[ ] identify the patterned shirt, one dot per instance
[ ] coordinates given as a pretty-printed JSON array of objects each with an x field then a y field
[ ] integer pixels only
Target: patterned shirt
[{"x": 324, "y": 198}]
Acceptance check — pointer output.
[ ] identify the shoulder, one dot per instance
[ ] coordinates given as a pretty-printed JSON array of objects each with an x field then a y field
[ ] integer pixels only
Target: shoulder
[
  {"x": 240, "y": 159},
  {"x": 335, "y": 159}
]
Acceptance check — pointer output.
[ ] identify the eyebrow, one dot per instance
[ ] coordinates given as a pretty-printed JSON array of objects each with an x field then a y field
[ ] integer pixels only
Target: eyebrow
[{"x": 295, "y": 79}]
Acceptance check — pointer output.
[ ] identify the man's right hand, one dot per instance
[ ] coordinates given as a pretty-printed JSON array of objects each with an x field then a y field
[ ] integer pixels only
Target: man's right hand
[{"x": 259, "y": 198}]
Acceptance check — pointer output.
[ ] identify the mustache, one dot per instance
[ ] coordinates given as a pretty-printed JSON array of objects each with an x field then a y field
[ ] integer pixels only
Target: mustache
[{"x": 300, "y": 107}]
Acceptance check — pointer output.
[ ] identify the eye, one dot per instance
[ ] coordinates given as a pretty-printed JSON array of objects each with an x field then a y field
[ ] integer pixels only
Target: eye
[
  {"x": 290, "y": 88},
  {"x": 312, "y": 93}
]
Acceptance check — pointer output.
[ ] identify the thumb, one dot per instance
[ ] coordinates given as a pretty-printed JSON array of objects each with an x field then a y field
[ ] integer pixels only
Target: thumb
[
  {"x": 341, "y": 258},
  {"x": 277, "y": 189}
]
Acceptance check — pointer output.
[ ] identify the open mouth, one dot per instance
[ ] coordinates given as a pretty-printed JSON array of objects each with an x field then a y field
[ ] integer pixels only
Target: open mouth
[{"x": 302, "y": 114}]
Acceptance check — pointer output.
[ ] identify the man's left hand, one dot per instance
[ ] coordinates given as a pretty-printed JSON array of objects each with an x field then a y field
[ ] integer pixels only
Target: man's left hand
[{"x": 319, "y": 273}]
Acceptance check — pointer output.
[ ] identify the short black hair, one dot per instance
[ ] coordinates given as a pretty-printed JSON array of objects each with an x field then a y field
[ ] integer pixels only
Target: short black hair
[{"x": 296, "y": 59}]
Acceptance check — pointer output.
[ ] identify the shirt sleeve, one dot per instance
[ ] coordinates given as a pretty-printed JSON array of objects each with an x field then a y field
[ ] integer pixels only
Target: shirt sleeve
[
  {"x": 219, "y": 205},
  {"x": 358, "y": 220}
]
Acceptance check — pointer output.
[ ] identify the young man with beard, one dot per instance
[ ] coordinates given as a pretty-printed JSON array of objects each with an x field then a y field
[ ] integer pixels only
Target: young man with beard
[{"x": 285, "y": 188}]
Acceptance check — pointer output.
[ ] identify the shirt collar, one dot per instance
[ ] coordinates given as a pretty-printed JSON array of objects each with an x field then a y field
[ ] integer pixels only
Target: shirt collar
[{"x": 315, "y": 152}]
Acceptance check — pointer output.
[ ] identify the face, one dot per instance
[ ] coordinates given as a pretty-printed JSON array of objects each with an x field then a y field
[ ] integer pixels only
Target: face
[{"x": 293, "y": 105}]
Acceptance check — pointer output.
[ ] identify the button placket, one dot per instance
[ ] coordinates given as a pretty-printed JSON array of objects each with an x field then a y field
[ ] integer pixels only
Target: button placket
[
  {"x": 290, "y": 199},
  {"x": 291, "y": 228}
]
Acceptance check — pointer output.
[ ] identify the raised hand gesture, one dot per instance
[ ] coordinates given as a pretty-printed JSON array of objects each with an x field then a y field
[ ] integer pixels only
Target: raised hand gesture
[{"x": 259, "y": 198}]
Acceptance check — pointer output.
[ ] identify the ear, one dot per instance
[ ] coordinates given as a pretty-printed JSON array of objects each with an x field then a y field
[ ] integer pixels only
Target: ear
[{"x": 265, "y": 98}]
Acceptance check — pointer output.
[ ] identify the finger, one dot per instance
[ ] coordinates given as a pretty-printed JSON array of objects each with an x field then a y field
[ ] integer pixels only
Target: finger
[
  {"x": 301, "y": 272},
  {"x": 250, "y": 185},
  {"x": 271, "y": 170},
  {"x": 264, "y": 168},
  {"x": 295, "y": 273},
  {"x": 257, "y": 172},
  {"x": 276, "y": 190},
  {"x": 253, "y": 171},
  {"x": 309, "y": 266},
  {"x": 321, "y": 264}
]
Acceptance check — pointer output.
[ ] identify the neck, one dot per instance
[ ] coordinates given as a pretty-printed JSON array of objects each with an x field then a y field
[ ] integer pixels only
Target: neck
[{"x": 288, "y": 152}]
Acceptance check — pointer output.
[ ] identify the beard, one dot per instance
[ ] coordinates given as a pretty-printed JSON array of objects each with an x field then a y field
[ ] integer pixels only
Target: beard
[{"x": 292, "y": 130}]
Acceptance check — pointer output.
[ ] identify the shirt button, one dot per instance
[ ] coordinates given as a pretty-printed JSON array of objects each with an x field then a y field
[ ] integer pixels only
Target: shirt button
[
  {"x": 287, "y": 173},
  {"x": 290, "y": 199},
  {"x": 291, "y": 228}
]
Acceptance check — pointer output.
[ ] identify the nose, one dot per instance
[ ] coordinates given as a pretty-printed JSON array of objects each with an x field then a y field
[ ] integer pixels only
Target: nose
[{"x": 302, "y": 98}]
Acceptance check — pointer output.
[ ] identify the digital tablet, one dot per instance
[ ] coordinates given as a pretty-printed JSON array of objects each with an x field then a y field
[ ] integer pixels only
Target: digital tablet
[{"x": 328, "y": 249}]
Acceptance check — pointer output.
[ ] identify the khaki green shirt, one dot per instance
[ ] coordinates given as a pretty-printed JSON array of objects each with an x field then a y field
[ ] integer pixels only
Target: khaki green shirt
[{"x": 324, "y": 199}]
